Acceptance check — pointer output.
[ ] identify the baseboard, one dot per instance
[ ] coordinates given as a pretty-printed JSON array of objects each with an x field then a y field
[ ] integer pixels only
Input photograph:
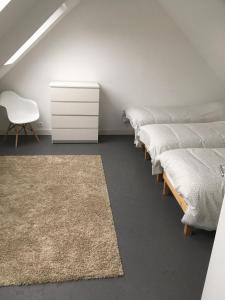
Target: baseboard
[
  {"x": 38, "y": 131},
  {"x": 44, "y": 131},
  {"x": 101, "y": 132}
]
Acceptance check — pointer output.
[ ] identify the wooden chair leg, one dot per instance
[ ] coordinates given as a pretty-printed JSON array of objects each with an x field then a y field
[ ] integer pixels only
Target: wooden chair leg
[
  {"x": 34, "y": 133},
  {"x": 187, "y": 230},
  {"x": 7, "y": 131},
  {"x": 25, "y": 129},
  {"x": 10, "y": 127},
  {"x": 166, "y": 189},
  {"x": 17, "y": 136},
  {"x": 147, "y": 156}
]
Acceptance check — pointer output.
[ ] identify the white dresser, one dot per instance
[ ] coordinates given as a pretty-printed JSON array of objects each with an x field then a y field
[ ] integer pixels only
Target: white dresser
[{"x": 75, "y": 112}]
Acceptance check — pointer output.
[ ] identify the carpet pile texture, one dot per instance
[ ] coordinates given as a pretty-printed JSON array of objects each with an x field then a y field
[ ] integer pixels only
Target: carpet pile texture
[{"x": 56, "y": 223}]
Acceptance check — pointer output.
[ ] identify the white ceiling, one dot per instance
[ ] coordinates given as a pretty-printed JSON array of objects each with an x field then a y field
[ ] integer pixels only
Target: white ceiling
[{"x": 12, "y": 14}]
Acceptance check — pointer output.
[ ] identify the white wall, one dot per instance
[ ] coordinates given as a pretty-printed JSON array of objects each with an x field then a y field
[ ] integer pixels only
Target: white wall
[
  {"x": 214, "y": 286},
  {"x": 131, "y": 47},
  {"x": 203, "y": 21}
]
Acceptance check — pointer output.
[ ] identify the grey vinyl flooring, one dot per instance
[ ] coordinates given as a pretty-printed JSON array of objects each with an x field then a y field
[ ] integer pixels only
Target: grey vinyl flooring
[{"x": 159, "y": 262}]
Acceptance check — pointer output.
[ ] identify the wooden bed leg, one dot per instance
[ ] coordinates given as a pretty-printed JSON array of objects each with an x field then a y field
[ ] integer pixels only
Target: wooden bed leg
[
  {"x": 187, "y": 230},
  {"x": 147, "y": 156},
  {"x": 166, "y": 189},
  {"x": 159, "y": 178}
]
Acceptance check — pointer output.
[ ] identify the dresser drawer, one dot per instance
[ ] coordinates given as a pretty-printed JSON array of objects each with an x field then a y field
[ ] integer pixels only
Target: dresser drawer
[
  {"x": 75, "y": 135},
  {"x": 75, "y": 94},
  {"x": 74, "y": 122},
  {"x": 67, "y": 108}
]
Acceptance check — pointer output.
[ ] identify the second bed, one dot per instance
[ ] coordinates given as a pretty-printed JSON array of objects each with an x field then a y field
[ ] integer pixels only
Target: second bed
[{"x": 159, "y": 138}]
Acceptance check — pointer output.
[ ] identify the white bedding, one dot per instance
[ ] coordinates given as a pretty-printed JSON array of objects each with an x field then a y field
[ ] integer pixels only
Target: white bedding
[
  {"x": 139, "y": 116},
  {"x": 195, "y": 174},
  {"x": 162, "y": 137}
]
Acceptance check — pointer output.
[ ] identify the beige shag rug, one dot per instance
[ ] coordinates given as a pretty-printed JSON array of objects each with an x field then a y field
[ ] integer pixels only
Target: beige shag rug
[{"x": 55, "y": 220}]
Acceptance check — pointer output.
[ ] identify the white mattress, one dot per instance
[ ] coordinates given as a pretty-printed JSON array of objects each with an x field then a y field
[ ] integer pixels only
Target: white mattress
[
  {"x": 162, "y": 137},
  {"x": 195, "y": 174},
  {"x": 139, "y": 116}
]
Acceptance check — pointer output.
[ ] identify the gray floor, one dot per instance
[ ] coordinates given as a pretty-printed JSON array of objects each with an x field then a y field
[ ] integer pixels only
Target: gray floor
[{"x": 159, "y": 263}]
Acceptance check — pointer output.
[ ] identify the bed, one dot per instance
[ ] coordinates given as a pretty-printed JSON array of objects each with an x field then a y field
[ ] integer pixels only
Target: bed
[
  {"x": 139, "y": 116},
  {"x": 194, "y": 177},
  {"x": 158, "y": 138}
]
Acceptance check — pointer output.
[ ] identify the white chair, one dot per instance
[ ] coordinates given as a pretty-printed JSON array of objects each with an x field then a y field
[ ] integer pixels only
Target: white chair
[{"x": 21, "y": 113}]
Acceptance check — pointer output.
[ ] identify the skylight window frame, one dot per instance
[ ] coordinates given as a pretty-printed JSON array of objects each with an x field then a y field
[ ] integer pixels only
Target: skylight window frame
[{"x": 38, "y": 34}]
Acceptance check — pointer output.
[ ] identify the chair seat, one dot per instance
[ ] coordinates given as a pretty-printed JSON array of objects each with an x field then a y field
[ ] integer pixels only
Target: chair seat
[{"x": 22, "y": 117}]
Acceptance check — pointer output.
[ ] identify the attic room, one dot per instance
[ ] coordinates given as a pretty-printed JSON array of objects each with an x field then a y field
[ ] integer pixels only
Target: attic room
[{"x": 112, "y": 149}]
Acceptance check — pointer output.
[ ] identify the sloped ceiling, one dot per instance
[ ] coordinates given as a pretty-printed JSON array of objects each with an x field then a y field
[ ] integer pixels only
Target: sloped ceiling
[
  {"x": 203, "y": 21},
  {"x": 25, "y": 23},
  {"x": 13, "y": 13},
  {"x": 26, "y": 17}
]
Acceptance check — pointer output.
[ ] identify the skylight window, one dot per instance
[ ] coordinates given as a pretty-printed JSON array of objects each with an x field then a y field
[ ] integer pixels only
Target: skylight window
[
  {"x": 3, "y": 4},
  {"x": 40, "y": 32}
]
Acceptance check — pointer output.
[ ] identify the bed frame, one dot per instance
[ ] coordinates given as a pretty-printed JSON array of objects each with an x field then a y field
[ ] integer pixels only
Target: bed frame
[
  {"x": 167, "y": 188},
  {"x": 159, "y": 177}
]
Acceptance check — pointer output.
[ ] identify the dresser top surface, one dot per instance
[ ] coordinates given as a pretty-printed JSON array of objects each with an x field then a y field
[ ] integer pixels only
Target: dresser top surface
[{"x": 74, "y": 84}]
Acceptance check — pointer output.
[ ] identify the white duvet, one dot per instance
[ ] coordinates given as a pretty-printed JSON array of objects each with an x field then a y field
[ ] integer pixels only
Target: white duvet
[
  {"x": 162, "y": 137},
  {"x": 195, "y": 174},
  {"x": 139, "y": 116}
]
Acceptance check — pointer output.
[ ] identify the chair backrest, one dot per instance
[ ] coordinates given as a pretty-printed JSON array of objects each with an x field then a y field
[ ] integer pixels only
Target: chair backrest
[
  {"x": 10, "y": 100},
  {"x": 18, "y": 108}
]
